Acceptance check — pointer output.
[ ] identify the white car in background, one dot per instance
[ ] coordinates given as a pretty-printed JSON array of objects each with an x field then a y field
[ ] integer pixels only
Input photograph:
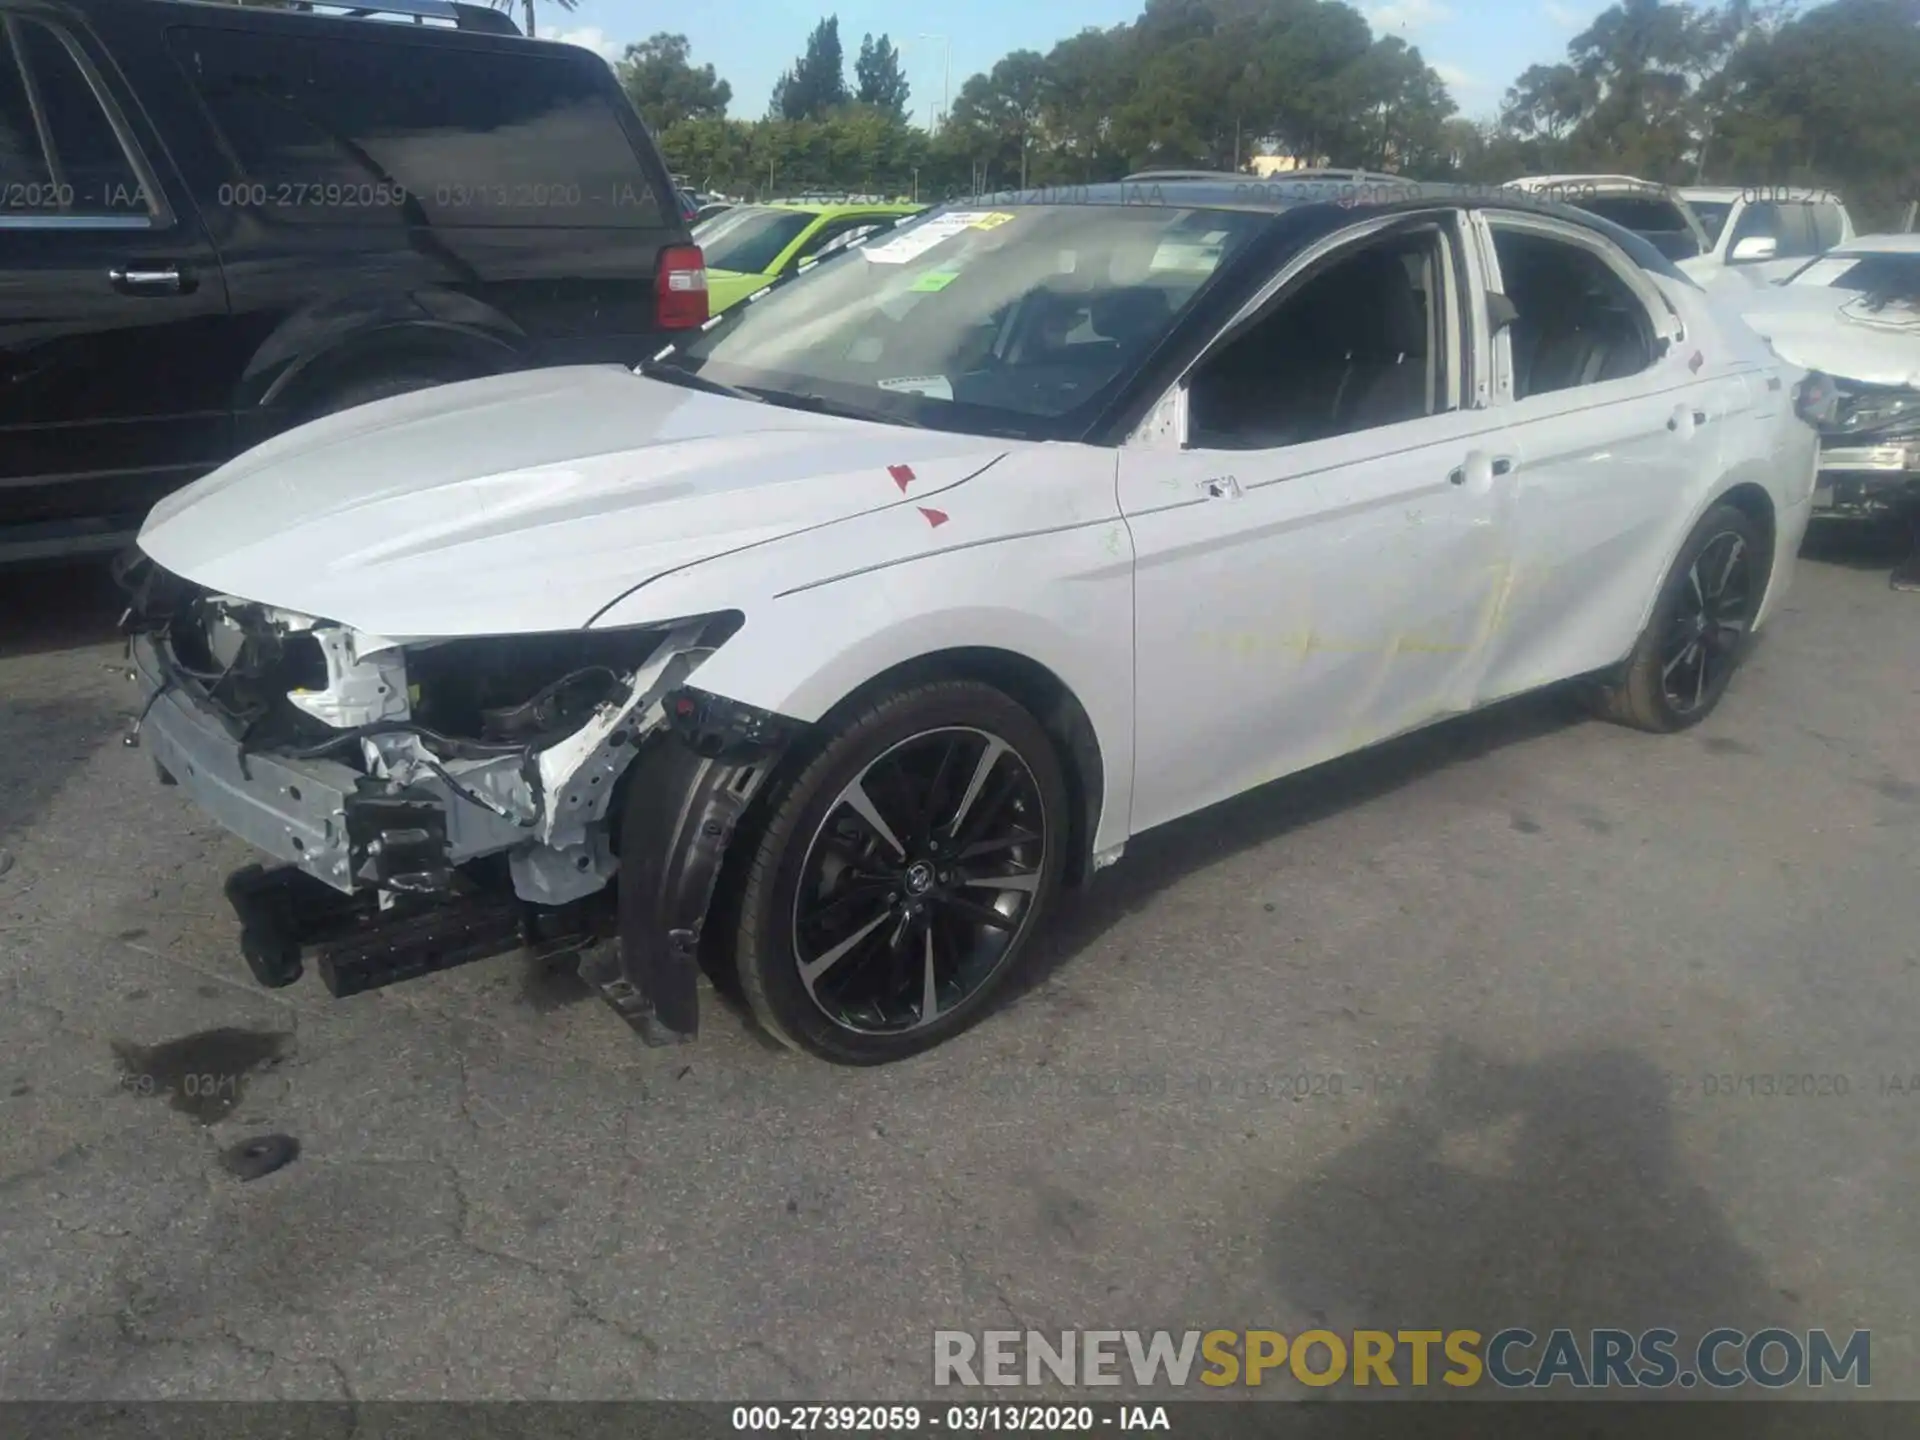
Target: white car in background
[
  {"x": 1654, "y": 212},
  {"x": 824, "y": 648},
  {"x": 1854, "y": 314},
  {"x": 1764, "y": 233},
  {"x": 1715, "y": 235}
]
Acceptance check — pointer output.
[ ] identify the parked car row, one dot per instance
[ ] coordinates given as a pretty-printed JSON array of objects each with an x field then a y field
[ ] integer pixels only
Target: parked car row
[
  {"x": 218, "y": 221},
  {"x": 1824, "y": 297}
]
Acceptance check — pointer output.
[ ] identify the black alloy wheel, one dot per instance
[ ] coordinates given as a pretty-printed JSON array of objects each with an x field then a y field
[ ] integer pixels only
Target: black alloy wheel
[
  {"x": 1701, "y": 626},
  {"x": 1709, "y": 626},
  {"x": 900, "y": 874},
  {"x": 918, "y": 880}
]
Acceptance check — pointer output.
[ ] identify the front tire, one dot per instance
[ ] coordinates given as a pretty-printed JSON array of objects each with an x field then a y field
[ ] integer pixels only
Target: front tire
[
  {"x": 1701, "y": 627},
  {"x": 901, "y": 873}
]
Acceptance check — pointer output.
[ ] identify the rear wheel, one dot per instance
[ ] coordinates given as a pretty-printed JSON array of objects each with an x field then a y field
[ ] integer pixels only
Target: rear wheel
[
  {"x": 901, "y": 873},
  {"x": 1701, "y": 627}
]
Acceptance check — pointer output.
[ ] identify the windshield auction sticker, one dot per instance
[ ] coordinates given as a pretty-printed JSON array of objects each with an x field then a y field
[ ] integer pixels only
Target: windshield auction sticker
[{"x": 911, "y": 244}]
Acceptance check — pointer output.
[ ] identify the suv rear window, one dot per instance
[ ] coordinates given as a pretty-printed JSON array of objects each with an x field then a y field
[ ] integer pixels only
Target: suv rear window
[{"x": 327, "y": 131}]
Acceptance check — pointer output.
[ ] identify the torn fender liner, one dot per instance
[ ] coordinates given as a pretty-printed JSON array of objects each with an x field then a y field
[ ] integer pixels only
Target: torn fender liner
[{"x": 686, "y": 798}]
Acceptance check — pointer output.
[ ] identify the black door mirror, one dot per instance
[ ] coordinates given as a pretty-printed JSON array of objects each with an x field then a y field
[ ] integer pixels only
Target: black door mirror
[{"x": 1501, "y": 312}]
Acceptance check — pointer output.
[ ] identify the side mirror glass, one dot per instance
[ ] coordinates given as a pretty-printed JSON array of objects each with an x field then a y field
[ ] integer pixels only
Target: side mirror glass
[{"x": 1501, "y": 312}]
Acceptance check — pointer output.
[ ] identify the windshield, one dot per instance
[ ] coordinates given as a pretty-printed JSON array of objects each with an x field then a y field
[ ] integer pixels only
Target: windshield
[
  {"x": 749, "y": 238},
  {"x": 1660, "y": 221},
  {"x": 977, "y": 319},
  {"x": 1712, "y": 215},
  {"x": 1895, "y": 275}
]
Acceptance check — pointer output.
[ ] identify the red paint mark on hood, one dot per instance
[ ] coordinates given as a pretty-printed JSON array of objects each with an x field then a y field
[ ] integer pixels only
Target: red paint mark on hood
[
  {"x": 902, "y": 476},
  {"x": 935, "y": 518}
]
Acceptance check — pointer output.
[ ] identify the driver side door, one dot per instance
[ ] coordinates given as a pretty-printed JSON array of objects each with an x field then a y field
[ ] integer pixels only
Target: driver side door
[{"x": 1319, "y": 514}]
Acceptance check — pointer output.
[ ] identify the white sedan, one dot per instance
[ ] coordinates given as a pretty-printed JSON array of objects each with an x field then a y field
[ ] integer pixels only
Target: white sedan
[{"x": 825, "y": 648}]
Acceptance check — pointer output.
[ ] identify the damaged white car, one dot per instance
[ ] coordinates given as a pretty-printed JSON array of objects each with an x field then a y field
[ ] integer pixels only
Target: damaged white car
[
  {"x": 1854, "y": 314},
  {"x": 825, "y": 649}
]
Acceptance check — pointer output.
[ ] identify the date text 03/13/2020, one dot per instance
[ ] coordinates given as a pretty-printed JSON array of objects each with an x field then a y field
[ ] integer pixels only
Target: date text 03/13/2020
[{"x": 951, "y": 1419}]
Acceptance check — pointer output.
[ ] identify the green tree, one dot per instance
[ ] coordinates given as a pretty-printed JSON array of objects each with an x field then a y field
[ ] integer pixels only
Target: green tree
[
  {"x": 666, "y": 87},
  {"x": 817, "y": 83},
  {"x": 877, "y": 76},
  {"x": 526, "y": 9}
]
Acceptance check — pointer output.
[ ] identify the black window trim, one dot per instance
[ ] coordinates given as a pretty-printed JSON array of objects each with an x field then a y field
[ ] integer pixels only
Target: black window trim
[
  {"x": 160, "y": 215},
  {"x": 1302, "y": 268}
]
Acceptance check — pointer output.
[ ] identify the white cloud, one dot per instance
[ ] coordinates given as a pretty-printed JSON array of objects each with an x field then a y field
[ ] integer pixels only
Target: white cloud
[
  {"x": 1565, "y": 16},
  {"x": 589, "y": 37},
  {"x": 1454, "y": 77},
  {"x": 1407, "y": 14}
]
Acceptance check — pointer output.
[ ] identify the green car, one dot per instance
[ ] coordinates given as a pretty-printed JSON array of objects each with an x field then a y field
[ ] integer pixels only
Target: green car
[{"x": 754, "y": 245}]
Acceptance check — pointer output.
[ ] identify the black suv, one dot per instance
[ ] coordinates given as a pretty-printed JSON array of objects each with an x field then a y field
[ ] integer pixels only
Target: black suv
[{"x": 217, "y": 222}]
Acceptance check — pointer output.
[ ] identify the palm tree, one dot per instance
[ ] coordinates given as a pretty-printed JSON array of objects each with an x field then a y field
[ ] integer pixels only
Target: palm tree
[{"x": 526, "y": 7}]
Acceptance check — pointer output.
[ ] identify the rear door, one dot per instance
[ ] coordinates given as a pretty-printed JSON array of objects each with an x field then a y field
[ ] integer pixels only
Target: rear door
[
  {"x": 111, "y": 301},
  {"x": 1614, "y": 420}
]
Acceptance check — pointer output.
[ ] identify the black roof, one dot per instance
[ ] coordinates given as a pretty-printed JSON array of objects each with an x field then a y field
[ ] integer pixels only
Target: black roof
[{"x": 1279, "y": 195}]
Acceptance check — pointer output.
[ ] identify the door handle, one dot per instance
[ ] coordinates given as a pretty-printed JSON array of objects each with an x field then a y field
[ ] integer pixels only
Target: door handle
[
  {"x": 151, "y": 280},
  {"x": 1457, "y": 476},
  {"x": 1503, "y": 465},
  {"x": 1699, "y": 417}
]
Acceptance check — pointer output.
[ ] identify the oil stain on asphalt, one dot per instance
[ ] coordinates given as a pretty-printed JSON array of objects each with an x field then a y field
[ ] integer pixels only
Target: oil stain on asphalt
[{"x": 203, "y": 1075}]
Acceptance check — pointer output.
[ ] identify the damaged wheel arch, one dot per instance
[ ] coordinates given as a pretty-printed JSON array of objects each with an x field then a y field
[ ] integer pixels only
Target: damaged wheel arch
[{"x": 690, "y": 806}]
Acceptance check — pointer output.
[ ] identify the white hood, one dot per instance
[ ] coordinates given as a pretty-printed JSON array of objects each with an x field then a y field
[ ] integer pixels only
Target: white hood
[
  {"x": 528, "y": 502},
  {"x": 1818, "y": 328}
]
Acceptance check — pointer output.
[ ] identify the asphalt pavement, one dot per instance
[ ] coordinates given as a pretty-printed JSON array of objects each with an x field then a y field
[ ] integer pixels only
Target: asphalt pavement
[{"x": 1526, "y": 1020}]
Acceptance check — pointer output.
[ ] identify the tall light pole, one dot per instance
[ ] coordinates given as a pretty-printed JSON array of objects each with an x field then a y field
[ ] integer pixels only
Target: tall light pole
[{"x": 946, "y": 73}]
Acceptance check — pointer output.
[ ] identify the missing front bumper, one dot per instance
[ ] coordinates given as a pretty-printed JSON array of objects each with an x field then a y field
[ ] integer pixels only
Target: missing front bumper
[{"x": 321, "y": 817}]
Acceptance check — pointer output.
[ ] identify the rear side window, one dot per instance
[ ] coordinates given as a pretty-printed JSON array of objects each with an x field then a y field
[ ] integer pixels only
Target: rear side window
[
  {"x": 327, "y": 131},
  {"x": 59, "y": 152}
]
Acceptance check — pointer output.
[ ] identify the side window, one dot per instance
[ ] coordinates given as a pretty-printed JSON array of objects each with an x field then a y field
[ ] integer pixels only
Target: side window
[
  {"x": 59, "y": 152},
  {"x": 1827, "y": 229},
  {"x": 1791, "y": 226},
  {"x": 337, "y": 132},
  {"x": 1360, "y": 344},
  {"x": 1579, "y": 323}
]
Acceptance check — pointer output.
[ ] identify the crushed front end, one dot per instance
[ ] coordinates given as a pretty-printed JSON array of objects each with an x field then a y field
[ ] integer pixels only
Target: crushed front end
[
  {"x": 435, "y": 802},
  {"x": 1869, "y": 453}
]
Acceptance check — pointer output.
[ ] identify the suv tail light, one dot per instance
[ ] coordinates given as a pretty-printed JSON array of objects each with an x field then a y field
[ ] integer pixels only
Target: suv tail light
[
  {"x": 1816, "y": 399},
  {"x": 680, "y": 288}
]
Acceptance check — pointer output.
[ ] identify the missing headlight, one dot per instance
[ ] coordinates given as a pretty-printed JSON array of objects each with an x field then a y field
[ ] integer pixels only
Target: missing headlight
[{"x": 532, "y": 689}]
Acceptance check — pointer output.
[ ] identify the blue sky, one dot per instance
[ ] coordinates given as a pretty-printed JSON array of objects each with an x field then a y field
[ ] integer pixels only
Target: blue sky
[{"x": 1478, "y": 46}]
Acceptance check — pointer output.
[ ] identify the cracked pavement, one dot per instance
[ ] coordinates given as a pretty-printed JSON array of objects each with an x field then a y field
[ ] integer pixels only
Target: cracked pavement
[{"x": 1454, "y": 1033}]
